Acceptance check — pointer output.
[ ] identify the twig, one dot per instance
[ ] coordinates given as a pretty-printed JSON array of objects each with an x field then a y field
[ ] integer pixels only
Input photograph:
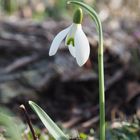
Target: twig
[
  {"x": 90, "y": 122},
  {"x": 29, "y": 122},
  {"x": 21, "y": 62},
  {"x": 115, "y": 78}
]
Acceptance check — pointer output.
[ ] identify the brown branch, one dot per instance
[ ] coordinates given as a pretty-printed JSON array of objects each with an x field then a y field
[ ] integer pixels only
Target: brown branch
[{"x": 29, "y": 122}]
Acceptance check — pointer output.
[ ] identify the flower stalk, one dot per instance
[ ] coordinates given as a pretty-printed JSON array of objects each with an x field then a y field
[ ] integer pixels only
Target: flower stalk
[{"x": 95, "y": 17}]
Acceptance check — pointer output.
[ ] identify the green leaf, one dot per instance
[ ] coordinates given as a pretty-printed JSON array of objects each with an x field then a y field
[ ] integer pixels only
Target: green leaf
[
  {"x": 53, "y": 129},
  {"x": 83, "y": 136},
  {"x": 13, "y": 130}
]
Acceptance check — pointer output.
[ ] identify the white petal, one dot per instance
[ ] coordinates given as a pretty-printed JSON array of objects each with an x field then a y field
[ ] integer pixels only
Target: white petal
[
  {"x": 72, "y": 50},
  {"x": 82, "y": 48},
  {"x": 57, "y": 40},
  {"x": 71, "y": 32}
]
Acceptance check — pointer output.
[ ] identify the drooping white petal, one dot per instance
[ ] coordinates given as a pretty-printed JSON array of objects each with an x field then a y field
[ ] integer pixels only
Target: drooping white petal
[
  {"x": 72, "y": 50},
  {"x": 82, "y": 48},
  {"x": 57, "y": 40}
]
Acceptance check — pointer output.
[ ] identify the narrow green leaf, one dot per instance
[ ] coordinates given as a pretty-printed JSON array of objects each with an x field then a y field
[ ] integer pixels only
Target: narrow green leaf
[
  {"x": 53, "y": 129},
  {"x": 13, "y": 130}
]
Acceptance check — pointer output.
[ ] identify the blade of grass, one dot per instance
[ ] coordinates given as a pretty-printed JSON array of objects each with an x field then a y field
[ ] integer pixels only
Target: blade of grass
[
  {"x": 12, "y": 130},
  {"x": 53, "y": 129}
]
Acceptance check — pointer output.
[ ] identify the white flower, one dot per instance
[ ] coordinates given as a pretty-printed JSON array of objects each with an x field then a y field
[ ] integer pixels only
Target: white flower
[{"x": 76, "y": 41}]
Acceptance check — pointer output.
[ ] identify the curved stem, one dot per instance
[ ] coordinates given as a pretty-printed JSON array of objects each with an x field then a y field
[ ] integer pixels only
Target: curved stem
[{"x": 95, "y": 17}]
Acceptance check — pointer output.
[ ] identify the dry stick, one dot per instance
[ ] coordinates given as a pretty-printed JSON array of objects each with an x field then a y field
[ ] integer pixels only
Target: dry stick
[{"x": 29, "y": 122}]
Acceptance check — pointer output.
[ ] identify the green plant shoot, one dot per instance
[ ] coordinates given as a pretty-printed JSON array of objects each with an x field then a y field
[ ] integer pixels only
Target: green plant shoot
[{"x": 96, "y": 18}]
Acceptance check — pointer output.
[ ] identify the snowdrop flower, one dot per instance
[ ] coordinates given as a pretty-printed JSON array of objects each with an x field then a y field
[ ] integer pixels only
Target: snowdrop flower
[{"x": 76, "y": 40}]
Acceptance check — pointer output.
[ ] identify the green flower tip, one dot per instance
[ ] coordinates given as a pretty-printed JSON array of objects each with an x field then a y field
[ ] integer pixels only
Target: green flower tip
[
  {"x": 70, "y": 41},
  {"x": 78, "y": 16}
]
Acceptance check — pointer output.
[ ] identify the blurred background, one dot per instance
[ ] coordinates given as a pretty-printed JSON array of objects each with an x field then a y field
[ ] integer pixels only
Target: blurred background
[{"x": 68, "y": 93}]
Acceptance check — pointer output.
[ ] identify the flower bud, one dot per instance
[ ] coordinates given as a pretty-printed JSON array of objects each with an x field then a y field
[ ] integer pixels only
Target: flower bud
[{"x": 78, "y": 16}]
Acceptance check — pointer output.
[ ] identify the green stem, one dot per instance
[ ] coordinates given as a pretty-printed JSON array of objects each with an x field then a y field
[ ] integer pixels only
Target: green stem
[
  {"x": 101, "y": 87},
  {"x": 95, "y": 17}
]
